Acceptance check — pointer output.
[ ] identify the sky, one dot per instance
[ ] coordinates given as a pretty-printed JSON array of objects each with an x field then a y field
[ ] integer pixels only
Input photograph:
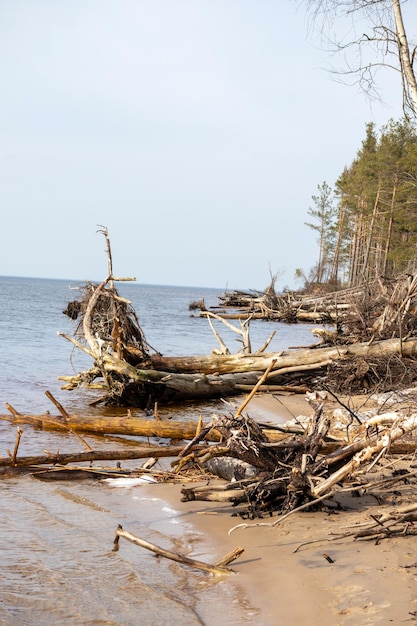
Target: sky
[{"x": 196, "y": 131}]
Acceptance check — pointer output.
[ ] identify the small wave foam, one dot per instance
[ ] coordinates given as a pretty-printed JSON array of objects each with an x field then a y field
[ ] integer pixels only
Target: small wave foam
[{"x": 129, "y": 482}]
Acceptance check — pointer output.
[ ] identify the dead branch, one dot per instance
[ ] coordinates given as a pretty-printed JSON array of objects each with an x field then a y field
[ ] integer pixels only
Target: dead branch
[{"x": 218, "y": 569}]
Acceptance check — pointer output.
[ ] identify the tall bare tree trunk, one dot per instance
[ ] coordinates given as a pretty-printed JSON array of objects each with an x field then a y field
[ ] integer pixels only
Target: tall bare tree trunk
[
  {"x": 407, "y": 72},
  {"x": 367, "y": 254},
  {"x": 357, "y": 244},
  {"x": 390, "y": 226},
  {"x": 334, "y": 272}
]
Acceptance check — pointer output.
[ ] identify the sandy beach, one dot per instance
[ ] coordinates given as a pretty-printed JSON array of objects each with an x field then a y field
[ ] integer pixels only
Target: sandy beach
[{"x": 342, "y": 582}]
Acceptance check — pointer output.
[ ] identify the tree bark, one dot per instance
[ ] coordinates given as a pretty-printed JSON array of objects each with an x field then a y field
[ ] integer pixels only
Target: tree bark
[
  {"x": 176, "y": 379},
  {"x": 137, "y": 452},
  {"x": 257, "y": 363},
  {"x": 129, "y": 426},
  {"x": 407, "y": 70}
]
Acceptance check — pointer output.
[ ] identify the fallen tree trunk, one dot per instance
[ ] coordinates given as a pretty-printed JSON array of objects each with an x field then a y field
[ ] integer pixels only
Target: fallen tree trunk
[
  {"x": 169, "y": 429},
  {"x": 137, "y": 452},
  {"x": 129, "y": 426},
  {"x": 175, "y": 379},
  {"x": 144, "y": 387},
  {"x": 239, "y": 363},
  {"x": 133, "y": 374}
]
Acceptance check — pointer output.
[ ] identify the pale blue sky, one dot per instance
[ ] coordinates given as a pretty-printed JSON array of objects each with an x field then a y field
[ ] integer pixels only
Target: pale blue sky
[{"x": 195, "y": 130}]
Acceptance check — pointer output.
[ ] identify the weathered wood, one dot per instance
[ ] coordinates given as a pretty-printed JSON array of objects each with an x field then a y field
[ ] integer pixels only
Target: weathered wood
[
  {"x": 255, "y": 389},
  {"x": 334, "y": 450},
  {"x": 65, "y": 416},
  {"x": 135, "y": 376},
  {"x": 229, "y": 557},
  {"x": 16, "y": 446},
  {"x": 211, "y": 494},
  {"x": 204, "y": 377},
  {"x": 407, "y": 425},
  {"x": 147, "y": 386},
  {"x": 139, "y": 452},
  {"x": 129, "y": 425},
  {"x": 258, "y": 363},
  {"x": 219, "y": 569},
  {"x": 281, "y": 389}
]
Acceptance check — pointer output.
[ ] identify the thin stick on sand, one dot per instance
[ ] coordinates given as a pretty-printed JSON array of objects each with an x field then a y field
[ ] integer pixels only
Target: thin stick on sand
[{"x": 219, "y": 568}]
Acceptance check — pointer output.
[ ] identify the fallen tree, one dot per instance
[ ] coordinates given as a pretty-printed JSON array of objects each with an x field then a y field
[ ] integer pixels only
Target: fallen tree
[
  {"x": 131, "y": 373},
  {"x": 126, "y": 425},
  {"x": 174, "y": 379},
  {"x": 380, "y": 309},
  {"x": 58, "y": 458}
]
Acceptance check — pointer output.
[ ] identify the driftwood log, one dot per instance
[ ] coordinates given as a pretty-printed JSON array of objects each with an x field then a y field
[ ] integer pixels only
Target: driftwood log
[
  {"x": 297, "y": 360},
  {"x": 336, "y": 448},
  {"x": 218, "y": 569},
  {"x": 135, "y": 452},
  {"x": 128, "y": 425}
]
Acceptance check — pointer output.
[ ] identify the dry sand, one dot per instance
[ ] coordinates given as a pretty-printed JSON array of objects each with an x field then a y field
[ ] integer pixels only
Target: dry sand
[{"x": 364, "y": 584}]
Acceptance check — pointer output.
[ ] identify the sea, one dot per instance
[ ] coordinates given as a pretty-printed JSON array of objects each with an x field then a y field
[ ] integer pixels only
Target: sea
[{"x": 56, "y": 541}]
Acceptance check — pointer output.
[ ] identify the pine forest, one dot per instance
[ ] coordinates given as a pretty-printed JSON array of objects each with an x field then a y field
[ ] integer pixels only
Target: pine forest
[{"x": 367, "y": 226}]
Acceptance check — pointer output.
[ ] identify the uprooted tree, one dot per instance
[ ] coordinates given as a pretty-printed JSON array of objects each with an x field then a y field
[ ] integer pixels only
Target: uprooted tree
[{"x": 373, "y": 346}]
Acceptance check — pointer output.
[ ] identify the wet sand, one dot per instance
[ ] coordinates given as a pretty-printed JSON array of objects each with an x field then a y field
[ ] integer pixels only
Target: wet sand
[{"x": 364, "y": 583}]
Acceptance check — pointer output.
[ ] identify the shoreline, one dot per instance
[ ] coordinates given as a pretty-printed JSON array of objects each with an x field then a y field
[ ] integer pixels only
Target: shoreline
[{"x": 364, "y": 583}]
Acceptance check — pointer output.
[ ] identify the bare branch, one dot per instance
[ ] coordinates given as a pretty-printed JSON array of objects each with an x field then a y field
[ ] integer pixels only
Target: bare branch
[{"x": 366, "y": 33}]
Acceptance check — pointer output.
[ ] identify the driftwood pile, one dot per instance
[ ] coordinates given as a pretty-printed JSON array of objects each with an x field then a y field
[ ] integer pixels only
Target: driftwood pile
[
  {"x": 381, "y": 309},
  {"x": 306, "y": 464},
  {"x": 303, "y": 470},
  {"x": 269, "y": 470},
  {"x": 371, "y": 348}
]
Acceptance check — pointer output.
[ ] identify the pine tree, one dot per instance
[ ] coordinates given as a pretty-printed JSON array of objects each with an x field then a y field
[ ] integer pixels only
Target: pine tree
[{"x": 324, "y": 215}]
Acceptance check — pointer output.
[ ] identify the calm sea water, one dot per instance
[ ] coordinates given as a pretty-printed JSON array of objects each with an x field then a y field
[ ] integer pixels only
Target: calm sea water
[{"x": 56, "y": 538}]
